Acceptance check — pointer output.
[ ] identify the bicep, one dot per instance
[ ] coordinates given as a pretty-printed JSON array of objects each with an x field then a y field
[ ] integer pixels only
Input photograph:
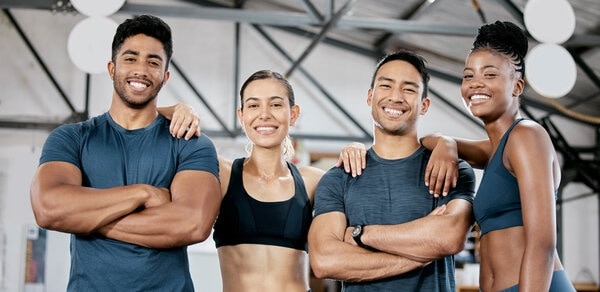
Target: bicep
[
  {"x": 325, "y": 227},
  {"x": 193, "y": 186},
  {"x": 52, "y": 192},
  {"x": 531, "y": 161},
  {"x": 54, "y": 174}
]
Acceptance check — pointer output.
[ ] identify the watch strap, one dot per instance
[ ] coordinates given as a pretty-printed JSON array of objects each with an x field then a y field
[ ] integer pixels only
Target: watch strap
[{"x": 358, "y": 236}]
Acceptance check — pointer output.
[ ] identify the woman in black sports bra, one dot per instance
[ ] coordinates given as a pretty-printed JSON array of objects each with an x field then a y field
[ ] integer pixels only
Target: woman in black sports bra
[
  {"x": 515, "y": 202},
  {"x": 266, "y": 211},
  {"x": 267, "y": 202}
]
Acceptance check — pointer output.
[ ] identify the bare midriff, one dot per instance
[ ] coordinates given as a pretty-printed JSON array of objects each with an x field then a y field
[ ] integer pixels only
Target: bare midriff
[
  {"x": 257, "y": 267},
  {"x": 501, "y": 253}
]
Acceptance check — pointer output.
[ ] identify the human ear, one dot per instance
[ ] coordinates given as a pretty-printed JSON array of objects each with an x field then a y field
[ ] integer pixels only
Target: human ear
[
  {"x": 240, "y": 116},
  {"x": 369, "y": 96},
  {"x": 425, "y": 105},
  {"x": 518, "y": 88},
  {"x": 295, "y": 113},
  {"x": 111, "y": 69}
]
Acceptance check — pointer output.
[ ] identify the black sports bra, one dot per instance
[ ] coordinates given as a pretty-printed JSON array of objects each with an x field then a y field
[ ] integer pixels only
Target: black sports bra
[{"x": 243, "y": 219}]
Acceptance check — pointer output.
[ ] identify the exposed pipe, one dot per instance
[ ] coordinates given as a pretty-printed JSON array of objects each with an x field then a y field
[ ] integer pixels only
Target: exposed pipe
[
  {"x": 202, "y": 99},
  {"x": 39, "y": 60},
  {"x": 314, "y": 82},
  {"x": 326, "y": 28}
]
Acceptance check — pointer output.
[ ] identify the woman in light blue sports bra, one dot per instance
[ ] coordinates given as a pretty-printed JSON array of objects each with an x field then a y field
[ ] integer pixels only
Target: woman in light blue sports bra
[{"x": 515, "y": 202}]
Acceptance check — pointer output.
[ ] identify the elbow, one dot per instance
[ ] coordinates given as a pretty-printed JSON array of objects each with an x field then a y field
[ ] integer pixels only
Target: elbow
[
  {"x": 544, "y": 245},
  {"x": 455, "y": 247},
  {"x": 325, "y": 266},
  {"x": 180, "y": 237},
  {"x": 322, "y": 265},
  {"x": 42, "y": 215},
  {"x": 46, "y": 217},
  {"x": 319, "y": 267},
  {"x": 455, "y": 236},
  {"x": 452, "y": 246},
  {"x": 44, "y": 211},
  {"x": 200, "y": 234},
  {"x": 202, "y": 222},
  {"x": 50, "y": 220},
  {"x": 198, "y": 231},
  {"x": 42, "y": 218}
]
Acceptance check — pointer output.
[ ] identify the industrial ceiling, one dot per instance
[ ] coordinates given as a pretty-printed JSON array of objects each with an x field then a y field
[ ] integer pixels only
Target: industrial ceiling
[{"x": 440, "y": 30}]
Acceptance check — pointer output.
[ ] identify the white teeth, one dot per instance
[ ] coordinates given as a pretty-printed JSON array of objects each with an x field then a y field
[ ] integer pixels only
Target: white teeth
[
  {"x": 137, "y": 84},
  {"x": 393, "y": 111},
  {"x": 265, "y": 130},
  {"x": 479, "y": 97}
]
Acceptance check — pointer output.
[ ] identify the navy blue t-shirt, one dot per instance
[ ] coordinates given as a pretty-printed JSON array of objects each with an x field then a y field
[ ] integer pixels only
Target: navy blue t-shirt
[
  {"x": 393, "y": 192},
  {"x": 110, "y": 156}
]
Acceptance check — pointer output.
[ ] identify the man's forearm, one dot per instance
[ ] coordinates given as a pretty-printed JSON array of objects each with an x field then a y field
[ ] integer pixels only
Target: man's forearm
[
  {"x": 154, "y": 227},
  {"x": 356, "y": 264},
  {"x": 75, "y": 209},
  {"x": 166, "y": 111},
  {"x": 424, "y": 239},
  {"x": 430, "y": 141}
]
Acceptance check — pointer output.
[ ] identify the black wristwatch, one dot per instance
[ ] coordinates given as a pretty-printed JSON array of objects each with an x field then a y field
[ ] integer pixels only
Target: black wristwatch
[{"x": 356, "y": 234}]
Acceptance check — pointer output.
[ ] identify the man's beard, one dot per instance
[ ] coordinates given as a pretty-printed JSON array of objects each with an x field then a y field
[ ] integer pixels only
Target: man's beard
[{"x": 120, "y": 89}]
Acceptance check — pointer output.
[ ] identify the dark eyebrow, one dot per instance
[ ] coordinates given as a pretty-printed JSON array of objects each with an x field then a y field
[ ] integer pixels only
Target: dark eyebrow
[
  {"x": 415, "y": 84},
  {"x": 484, "y": 67},
  {"x": 250, "y": 99},
  {"x": 256, "y": 98},
  {"x": 155, "y": 56},
  {"x": 136, "y": 53},
  {"x": 383, "y": 78},
  {"x": 130, "y": 52}
]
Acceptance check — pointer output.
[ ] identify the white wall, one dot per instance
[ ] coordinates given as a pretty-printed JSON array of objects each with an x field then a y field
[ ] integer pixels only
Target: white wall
[
  {"x": 19, "y": 152},
  {"x": 580, "y": 234}
]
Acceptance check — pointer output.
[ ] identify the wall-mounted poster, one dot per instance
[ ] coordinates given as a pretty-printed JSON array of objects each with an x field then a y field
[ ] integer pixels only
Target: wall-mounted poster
[{"x": 35, "y": 259}]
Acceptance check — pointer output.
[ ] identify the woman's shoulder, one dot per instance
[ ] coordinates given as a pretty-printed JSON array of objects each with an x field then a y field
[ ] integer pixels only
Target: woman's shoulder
[
  {"x": 311, "y": 173},
  {"x": 528, "y": 131},
  {"x": 528, "y": 140}
]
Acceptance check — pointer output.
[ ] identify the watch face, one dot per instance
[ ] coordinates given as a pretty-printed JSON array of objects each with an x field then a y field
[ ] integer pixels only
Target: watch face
[{"x": 357, "y": 230}]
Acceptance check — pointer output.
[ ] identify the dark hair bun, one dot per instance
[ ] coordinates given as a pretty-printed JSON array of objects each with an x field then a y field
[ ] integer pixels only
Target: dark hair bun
[{"x": 504, "y": 37}]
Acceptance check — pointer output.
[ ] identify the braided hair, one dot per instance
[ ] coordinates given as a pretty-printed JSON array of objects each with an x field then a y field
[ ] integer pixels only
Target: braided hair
[{"x": 505, "y": 38}]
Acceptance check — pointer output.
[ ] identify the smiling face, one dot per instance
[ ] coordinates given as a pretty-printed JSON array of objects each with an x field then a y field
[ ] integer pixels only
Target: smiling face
[
  {"x": 395, "y": 98},
  {"x": 266, "y": 113},
  {"x": 490, "y": 86},
  {"x": 138, "y": 72}
]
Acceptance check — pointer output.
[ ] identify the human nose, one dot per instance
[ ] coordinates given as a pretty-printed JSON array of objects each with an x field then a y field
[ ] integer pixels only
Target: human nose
[
  {"x": 473, "y": 82},
  {"x": 265, "y": 112},
  {"x": 396, "y": 95},
  {"x": 140, "y": 69}
]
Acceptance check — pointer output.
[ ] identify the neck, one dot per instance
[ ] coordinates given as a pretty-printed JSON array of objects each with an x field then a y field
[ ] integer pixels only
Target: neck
[
  {"x": 132, "y": 118},
  {"x": 496, "y": 129},
  {"x": 266, "y": 162},
  {"x": 395, "y": 146}
]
